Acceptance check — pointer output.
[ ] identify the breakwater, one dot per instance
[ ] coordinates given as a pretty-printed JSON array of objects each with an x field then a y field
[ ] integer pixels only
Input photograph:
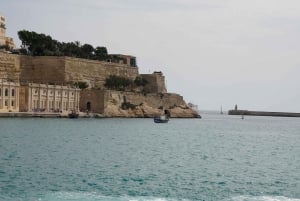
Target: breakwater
[{"x": 263, "y": 113}]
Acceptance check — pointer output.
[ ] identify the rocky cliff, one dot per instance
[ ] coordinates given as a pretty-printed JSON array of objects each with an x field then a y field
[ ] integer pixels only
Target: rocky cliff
[{"x": 128, "y": 104}]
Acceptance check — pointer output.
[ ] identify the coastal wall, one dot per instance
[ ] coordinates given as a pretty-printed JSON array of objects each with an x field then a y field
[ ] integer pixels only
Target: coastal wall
[
  {"x": 61, "y": 70},
  {"x": 10, "y": 66},
  {"x": 92, "y": 100},
  {"x": 95, "y": 72},
  {"x": 46, "y": 69},
  {"x": 156, "y": 83}
]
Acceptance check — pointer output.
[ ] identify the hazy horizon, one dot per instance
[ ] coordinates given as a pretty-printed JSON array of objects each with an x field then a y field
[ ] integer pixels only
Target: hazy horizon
[{"x": 212, "y": 52}]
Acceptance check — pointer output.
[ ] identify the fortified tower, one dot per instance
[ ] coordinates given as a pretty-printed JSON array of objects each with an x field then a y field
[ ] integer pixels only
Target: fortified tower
[
  {"x": 5, "y": 41},
  {"x": 2, "y": 30}
]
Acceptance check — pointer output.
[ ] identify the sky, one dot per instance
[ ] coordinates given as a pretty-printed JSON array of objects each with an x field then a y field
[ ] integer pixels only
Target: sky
[{"x": 212, "y": 52}]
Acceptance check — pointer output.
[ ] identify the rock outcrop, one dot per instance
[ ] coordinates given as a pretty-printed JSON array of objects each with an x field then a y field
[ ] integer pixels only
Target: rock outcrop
[{"x": 126, "y": 104}]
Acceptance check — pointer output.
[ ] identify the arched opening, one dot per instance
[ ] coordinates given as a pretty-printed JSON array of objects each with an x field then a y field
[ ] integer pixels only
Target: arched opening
[
  {"x": 12, "y": 92},
  {"x": 88, "y": 106}
]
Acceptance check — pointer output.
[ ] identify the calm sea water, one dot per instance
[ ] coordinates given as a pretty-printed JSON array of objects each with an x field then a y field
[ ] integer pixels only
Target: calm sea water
[{"x": 218, "y": 157}]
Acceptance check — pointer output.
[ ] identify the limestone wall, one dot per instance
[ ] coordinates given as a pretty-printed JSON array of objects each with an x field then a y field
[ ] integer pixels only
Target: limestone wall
[
  {"x": 44, "y": 69},
  {"x": 23, "y": 100},
  {"x": 156, "y": 83},
  {"x": 95, "y": 72},
  {"x": 9, "y": 66},
  {"x": 92, "y": 100}
]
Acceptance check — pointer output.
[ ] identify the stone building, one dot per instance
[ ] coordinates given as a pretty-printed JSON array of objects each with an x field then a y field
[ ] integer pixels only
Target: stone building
[
  {"x": 5, "y": 41},
  {"x": 9, "y": 96},
  {"x": 48, "y": 98}
]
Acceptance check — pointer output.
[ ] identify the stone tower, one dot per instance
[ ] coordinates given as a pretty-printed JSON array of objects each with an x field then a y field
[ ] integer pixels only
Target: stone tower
[{"x": 5, "y": 41}]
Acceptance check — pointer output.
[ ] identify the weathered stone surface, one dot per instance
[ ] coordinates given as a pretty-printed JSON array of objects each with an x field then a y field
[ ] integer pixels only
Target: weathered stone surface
[
  {"x": 146, "y": 106},
  {"x": 9, "y": 67}
]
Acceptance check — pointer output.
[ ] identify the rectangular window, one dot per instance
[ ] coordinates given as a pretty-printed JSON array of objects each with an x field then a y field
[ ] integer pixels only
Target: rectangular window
[
  {"x": 12, "y": 103},
  {"x": 6, "y": 103}
]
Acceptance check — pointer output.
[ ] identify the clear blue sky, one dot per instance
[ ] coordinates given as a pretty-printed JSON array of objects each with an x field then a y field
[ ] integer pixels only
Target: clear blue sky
[{"x": 213, "y": 52}]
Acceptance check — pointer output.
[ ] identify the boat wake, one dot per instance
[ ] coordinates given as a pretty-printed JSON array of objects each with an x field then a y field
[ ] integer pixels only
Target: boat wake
[{"x": 76, "y": 196}]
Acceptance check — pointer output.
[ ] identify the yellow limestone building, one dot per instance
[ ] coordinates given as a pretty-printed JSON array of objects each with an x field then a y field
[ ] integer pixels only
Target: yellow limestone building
[
  {"x": 9, "y": 96},
  {"x": 5, "y": 41},
  {"x": 48, "y": 98}
]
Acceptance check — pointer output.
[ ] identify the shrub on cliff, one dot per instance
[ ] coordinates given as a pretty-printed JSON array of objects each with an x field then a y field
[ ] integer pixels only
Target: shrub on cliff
[
  {"x": 81, "y": 85},
  {"x": 140, "y": 81},
  {"x": 117, "y": 82}
]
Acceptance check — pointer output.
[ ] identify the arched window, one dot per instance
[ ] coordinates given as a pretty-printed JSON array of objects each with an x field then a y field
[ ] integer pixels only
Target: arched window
[
  {"x": 13, "y": 92},
  {"x": 6, "y": 92}
]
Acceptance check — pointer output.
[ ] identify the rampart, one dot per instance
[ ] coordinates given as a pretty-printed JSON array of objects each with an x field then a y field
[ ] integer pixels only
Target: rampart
[
  {"x": 95, "y": 72},
  {"x": 67, "y": 70},
  {"x": 61, "y": 70},
  {"x": 10, "y": 66},
  {"x": 156, "y": 83}
]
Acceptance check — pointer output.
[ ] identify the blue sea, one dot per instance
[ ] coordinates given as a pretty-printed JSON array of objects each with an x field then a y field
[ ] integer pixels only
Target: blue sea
[{"x": 218, "y": 157}]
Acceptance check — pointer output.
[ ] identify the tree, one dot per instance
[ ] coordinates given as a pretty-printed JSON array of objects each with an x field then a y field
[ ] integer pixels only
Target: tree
[
  {"x": 43, "y": 45},
  {"x": 101, "y": 53},
  {"x": 87, "y": 51}
]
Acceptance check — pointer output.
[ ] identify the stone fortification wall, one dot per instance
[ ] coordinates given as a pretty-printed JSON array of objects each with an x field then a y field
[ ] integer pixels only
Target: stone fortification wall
[
  {"x": 9, "y": 67},
  {"x": 156, "y": 83},
  {"x": 92, "y": 100},
  {"x": 44, "y": 69},
  {"x": 95, "y": 72},
  {"x": 62, "y": 70}
]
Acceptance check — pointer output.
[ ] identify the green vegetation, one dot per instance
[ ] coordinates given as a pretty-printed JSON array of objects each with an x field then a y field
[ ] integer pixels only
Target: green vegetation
[
  {"x": 43, "y": 45},
  {"x": 81, "y": 85},
  {"x": 127, "y": 105},
  {"x": 121, "y": 83},
  {"x": 139, "y": 81},
  {"x": 117, "y": 83}
]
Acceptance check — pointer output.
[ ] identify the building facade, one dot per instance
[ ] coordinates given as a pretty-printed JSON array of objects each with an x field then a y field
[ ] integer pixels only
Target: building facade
[
  {"x": 49, "y": 98},
  {"x": 9, "y": 96},
  {"x": 5, "y": 41}
]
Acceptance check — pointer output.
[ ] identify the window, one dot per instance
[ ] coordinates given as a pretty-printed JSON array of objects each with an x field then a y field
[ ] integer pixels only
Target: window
[
  {"x": 6, "y": 92},
  {"x": 13, "y": 92},
  {"x": 12, "y": 103},
  {"x": 5, "y": 103}
]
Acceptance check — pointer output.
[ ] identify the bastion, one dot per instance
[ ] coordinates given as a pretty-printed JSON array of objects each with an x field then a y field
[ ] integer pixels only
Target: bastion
[{"x": 149, "y": 101}]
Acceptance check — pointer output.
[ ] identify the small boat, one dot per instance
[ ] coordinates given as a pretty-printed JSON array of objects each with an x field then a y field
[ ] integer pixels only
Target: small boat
[
  {"x": 73, "y": 115},
  {"x": 161, "y": 119}
]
